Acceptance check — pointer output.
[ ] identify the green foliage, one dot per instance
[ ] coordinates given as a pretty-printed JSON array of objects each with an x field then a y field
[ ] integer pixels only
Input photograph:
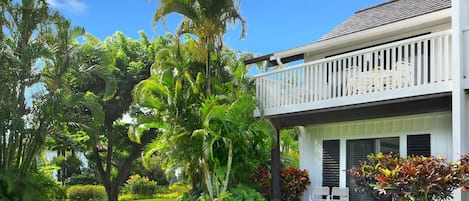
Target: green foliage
[
  {"x": 86, "y": 193},
  {"x": 153, "y": 170},
  {"x": 35, "y": 187},
  {"x": 69, "y": 166},
  {"x": 289, "y": 147},
  {"x": 244, "y": 193},
  {"x": 24, "y": 117},
  {"x": 129, "y": 197},
  {"x": 141, "y": 185},
  {"x": 188, "y": 197},
  {"x": 413, "y": 178},
  {"x": 86, "y": 177},
  {"x": 214, "y": 139},
  {"x": 179, "y": 187}
]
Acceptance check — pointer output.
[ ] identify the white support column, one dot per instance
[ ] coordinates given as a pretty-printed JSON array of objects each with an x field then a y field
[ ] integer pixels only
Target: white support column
[{"x": 459, "y": 99}]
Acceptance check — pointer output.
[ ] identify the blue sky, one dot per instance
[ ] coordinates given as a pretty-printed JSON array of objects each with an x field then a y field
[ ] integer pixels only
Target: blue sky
[{"x": 273, "y": 25}]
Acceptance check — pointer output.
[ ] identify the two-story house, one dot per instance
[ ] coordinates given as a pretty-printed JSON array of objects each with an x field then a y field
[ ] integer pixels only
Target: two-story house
[{"x": 392, "y": 77}]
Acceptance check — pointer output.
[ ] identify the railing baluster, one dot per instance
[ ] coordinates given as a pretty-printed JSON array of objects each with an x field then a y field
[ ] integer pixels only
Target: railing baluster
[
  {"x": 418, "y": 70},
  {"x": 340, "y": 65},
  {"x": 426, "y": 65},
  {"x": 309, "y": 88},
  {"x": 321, "y": 81},
  {"x": 446, "y": 64},
  {"x": 383, "y": 70},
  {"x": 432, "y": 60},
  {"x": 316, "y": 82},
  {"x": 403, "y": 64},
  {"x": 439, "y": 69},
  {"x": 333, "y": 79},
  {"x": 412, "y": 62},
  {"x": 388, "y": 68}
]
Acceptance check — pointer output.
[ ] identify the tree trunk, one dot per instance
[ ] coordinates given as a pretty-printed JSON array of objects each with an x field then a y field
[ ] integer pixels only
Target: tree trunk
[
  {"x": 208, "y": 69},
  {"x": 113, "y": 194}
]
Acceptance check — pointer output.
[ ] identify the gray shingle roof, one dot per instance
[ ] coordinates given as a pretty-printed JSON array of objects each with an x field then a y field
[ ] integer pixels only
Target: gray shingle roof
[{"x": 386, "y": 13}]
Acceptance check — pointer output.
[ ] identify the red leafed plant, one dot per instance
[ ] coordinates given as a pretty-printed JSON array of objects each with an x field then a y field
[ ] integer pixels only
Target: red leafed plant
[
  {"x": 294, "y": 183},
  {"x": 413, "y": 178},
  {"x": 463, "y": 168},
  {"x": 261, "y": 181}
]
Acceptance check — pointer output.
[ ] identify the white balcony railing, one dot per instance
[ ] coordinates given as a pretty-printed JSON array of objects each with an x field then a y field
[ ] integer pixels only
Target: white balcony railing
[{"x": 415, "y": 66}]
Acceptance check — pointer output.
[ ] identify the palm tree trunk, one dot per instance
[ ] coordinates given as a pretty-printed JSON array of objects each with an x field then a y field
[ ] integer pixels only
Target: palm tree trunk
[
  {"x": 207, "y": 68},
  {"x": 208, "y": 178},
  {"x": 228, "y": 167}
]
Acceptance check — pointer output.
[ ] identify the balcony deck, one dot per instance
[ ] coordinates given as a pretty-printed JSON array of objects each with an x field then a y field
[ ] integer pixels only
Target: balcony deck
[{"x": 407, "y": 68}]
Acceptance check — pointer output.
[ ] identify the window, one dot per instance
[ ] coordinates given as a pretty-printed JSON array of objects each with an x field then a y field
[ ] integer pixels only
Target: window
[
  {"x": 330, "y": 163},
  {"x": 418, "y": 145},
  {"x": 358, "y": 150}
]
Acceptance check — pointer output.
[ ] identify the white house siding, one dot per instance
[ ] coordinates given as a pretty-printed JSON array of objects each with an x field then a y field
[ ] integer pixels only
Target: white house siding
[{"x": 438, "y": 125}]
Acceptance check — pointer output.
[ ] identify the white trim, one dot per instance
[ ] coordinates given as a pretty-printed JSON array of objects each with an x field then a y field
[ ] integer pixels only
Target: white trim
[
  {"x": 362, "y": 98},
  {"x": 409, "y": 23},
  {"x": 410, "y": 40}
]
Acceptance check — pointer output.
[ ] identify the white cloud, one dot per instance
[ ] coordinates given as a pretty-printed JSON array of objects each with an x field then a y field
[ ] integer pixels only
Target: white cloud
[{"x": 72, "y": 6}]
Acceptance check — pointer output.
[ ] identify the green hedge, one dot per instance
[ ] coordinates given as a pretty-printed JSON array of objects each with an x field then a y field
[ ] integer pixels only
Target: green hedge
[
  {"x": 86, "y": 193},
  {"x": 141, "y": 185}
]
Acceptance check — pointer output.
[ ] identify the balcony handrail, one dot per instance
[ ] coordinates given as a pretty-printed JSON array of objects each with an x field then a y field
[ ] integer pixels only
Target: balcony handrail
[{"x": 358, "y": 52}]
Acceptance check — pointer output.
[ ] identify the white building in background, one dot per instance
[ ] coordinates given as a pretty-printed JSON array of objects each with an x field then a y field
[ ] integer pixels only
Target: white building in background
[{"x": 392, "y": 77}]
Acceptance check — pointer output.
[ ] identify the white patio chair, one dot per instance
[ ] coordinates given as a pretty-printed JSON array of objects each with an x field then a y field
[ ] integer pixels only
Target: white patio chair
[
  {"x": 339, "y": 193},
  {"x": 320, "y": 194},
  {"x": 403, "y": 74},
  {"x": 352, "y": 79}
]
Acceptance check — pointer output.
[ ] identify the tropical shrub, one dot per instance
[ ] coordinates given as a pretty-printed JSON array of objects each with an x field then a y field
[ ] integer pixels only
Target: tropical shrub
[
  {"x": 87, "y": 177},
  {"x": 244, "y": 193},
  {"x": 35, "y": 187},
  {"x": 141, "y": 185},
  {"x": 179, "y": 187},
  {"x": 69, "y": 165},
  {"x": 261, "y": 182},
  {"x": 188, "y": 196},
  {"x": 463, "y": 169},
  {"x": 86, "y": 193},
  {"x": 413, "y": 178},
  {"x": 294, "y": 183},
  {"x": 293, "y": 180}
]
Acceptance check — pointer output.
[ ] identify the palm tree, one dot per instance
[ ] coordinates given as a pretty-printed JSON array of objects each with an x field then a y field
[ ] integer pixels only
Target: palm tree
[
  {"x": 171, "y": 97},
  {"x": 208, "y": 20},
  {"x": 212, "y": 135}
]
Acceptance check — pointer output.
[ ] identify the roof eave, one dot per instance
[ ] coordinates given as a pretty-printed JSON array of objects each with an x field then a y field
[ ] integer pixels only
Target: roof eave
[{"x": 377, "y": 31}]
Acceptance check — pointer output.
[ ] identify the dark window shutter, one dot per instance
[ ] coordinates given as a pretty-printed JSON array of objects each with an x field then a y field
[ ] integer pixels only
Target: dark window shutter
[
  {"x": 330, "y": 163},
  {"x": 358, "y": 151},
  {"x": 418, "y": 145}
]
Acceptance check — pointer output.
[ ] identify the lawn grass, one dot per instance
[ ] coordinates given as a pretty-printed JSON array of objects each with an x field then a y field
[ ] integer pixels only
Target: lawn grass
[{"x": 159, "y": 199}]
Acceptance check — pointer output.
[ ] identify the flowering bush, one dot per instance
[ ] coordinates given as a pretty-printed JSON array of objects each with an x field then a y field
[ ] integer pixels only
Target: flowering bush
[
  {"x": 413, "y": 178},
  {"x": 294, "y": 183}
]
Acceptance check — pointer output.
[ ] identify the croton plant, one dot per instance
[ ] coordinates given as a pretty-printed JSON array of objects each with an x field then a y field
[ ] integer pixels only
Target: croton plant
[{"x": 416, "y": 178}]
